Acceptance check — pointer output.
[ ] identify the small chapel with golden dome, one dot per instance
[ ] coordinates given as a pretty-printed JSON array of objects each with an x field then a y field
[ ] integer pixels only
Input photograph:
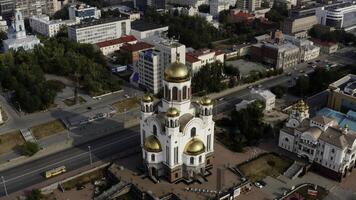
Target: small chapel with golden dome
[{"x": 177, "y": 135}]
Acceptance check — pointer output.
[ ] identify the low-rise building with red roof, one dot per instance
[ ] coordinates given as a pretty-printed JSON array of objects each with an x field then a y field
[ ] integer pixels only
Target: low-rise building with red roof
[
  {"x": 135, "y": 49},
  {"x": 325, "y": 46},
  {"x": 110, "y": 46},
  {"x": 196, "y": 59}
]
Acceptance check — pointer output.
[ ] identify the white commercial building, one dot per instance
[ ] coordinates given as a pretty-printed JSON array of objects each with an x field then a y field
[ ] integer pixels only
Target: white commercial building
[
  {"x": 199, "y": 58},
  {"x": 141, "y": 29},
  {"x": 264, "y": 95},
  {"x": 81, "y": 12},
  {"x": 100, "y": 30},
  {"x": 177, "y": 136},
  {"x": 339, "y": 15},
  {"x": 17, "y": 37},
  {"x": 321, "y": 141},
  {"x": 43, "y": 25}
]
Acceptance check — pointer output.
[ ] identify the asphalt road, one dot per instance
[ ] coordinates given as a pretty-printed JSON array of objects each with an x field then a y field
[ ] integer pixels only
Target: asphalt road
[{"x": 31, "y": 173}]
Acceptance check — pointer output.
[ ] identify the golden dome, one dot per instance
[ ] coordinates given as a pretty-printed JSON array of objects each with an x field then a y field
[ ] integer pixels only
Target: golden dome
[
  {"x": 172, "y": 112},
  {"x": 194, "y": 147},
  {"x": 301, "y": 106},
  {"x": 147, "y": 98},
  {"x": 152, "y": 144},
  {"x": 206, "y": 101},
  {"x": 176, "y": 72}
]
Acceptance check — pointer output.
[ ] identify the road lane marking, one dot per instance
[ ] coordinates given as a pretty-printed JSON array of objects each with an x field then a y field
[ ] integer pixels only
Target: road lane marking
[{"x": 70, "y": 158}]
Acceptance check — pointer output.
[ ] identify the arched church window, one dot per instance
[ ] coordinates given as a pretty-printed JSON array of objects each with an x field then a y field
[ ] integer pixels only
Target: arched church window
[
  {"x": 175, "y": 93},
  {"x": 184, "y": 92},
  {"x": 200, "y": 159},
  {"x": 153, "y": 157},
  {"x": 206, "y": 111},
  {"x": 166, "y": 92},
  {"x": 193, "y": 132},
  {"x": 154, "y": 130},
  {"x": 192, "y": 160},
  {"x": 146, "y": 110}
]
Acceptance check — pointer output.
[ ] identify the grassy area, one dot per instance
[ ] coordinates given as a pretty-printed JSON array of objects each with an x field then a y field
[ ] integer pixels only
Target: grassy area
[
  {"x": 322, "y": 193},
  {"x": 71, "y": 101},
  {"x": 126, "y": 104},
  {"x": 265, "y": 165},
  {"x": 9, "y": 141},
  {"x": 47, "y": 129},
  {"x": 84, "y": 179}
]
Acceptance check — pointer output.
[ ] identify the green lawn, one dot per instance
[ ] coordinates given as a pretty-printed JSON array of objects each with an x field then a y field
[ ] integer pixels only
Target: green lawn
[
  {"x": 71, "y": 101},
  {"x": 50, "y": 128},
  {"x": 9, "y": 141},
  {"x": 265, "y": 165}
]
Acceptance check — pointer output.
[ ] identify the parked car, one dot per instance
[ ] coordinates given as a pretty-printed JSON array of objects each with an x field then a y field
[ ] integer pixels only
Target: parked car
[
  {"x": 257, "y": 184},
  {"x": 263, "y": 183}
]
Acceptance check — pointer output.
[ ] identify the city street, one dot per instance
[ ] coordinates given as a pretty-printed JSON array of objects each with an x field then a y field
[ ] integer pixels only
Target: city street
[{"x": 30, "y": 173}]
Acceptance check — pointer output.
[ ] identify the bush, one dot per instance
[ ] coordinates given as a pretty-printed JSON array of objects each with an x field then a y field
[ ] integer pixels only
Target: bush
[
  {"x": 271, "y": 163},
  {"x": 29, "y": 148},
  {"x": 279, "y": 91},
  {"x": 35, "y": 194}
]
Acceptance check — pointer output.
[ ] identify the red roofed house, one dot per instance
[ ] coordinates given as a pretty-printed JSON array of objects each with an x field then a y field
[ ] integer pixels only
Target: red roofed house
[
  {"x": 110, "y": 46},
  {"x": 135, "y": 49},
  {"x": 326, "y": 47},
  {"x": 236, "y": 16},
  {"x": 196, "y": 59}
]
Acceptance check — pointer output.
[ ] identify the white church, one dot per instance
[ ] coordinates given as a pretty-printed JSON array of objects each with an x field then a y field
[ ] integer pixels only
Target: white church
[
  {"x": 331, "y": 149},
  {"x": 17, "y": 35},
  {"x": 177, "y": 135}
]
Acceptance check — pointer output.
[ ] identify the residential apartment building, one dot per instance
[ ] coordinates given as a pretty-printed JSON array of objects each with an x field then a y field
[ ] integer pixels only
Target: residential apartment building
[
  {"x": 197, "y": 59},
  {"x": 3, "y": 25},
  {"x": 100, "y": 30},
  {"x": 81, "y": 12},
  {"x": 134, "y": 49},
  {"x": 153, "y": 63},
  {"x": 299, "y": 26},
  {"x": 338, "y": 15},
  {"x": 43, "y": 25},
  {"x": 250, "y": 5},
  {"x": 7, "y": 8},
  {"x": 326, "y": 47},
  {"x": 342, "y": 94},
  {"x": 149, "y": 70},
  {"x": 188, "y": 3},
  {"x": 216, "y": 6},
  {"x": 320, "y": 140}
]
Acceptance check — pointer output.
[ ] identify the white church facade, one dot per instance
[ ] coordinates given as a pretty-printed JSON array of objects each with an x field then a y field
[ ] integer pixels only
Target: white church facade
[
  {"x": 17, "y": 35},
  {"x": 177, "y": 135},
  {"x": 331, "y": 149}
]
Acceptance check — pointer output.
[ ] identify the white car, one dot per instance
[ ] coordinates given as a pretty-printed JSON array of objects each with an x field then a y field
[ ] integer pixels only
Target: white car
[{"x": 257, "y": 184}]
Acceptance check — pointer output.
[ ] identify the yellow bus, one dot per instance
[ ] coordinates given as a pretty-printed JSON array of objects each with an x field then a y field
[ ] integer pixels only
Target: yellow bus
[{"x": 55, "y": 171}]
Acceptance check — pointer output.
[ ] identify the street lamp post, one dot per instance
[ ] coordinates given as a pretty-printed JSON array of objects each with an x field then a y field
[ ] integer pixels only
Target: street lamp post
[
  {"x": 90, "y": 158},
  {"x": 3, "y": 182}
]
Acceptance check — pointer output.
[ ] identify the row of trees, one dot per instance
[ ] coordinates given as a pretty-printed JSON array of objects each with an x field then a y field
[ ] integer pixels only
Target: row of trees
[
  {"x": 340, "y": 36},
  {"x": 209, "y": 79},
  {"x": 191, "y": 31}
]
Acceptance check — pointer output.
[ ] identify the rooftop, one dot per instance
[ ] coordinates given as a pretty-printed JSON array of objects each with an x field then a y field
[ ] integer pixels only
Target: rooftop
[
  {"x": 93, "y": 22},
  {"x": 141, "y": 25},
  {"x": 123, "y": 39},
  {"x": 342, "y": 119},
  {"x": 137, "y": 47},
  {"x": 345, "y": 82}
]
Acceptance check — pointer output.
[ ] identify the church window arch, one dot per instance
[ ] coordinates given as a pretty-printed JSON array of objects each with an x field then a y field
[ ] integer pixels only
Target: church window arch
[
  {"x": 175, "y": 93},
  {"x": 154, "y": 128},
  {"x": 184, "y": 92},
  {"x": 192, "y": 160},
  {"x": 193, "y": 132}
]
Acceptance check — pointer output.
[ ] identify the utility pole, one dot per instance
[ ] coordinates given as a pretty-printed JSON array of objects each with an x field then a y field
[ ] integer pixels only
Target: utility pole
[
  {"x": 76, "y": 87},
  {"x": 3, "y": 182},
  {"x": 90, "y": 158}
]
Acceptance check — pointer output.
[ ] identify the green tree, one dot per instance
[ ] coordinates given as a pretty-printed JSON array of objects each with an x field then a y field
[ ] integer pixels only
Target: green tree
[
  {"x": 35, "y": 194},
  {"x": 29, "y": 148},
  {"x": 204, "y": 8}
]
